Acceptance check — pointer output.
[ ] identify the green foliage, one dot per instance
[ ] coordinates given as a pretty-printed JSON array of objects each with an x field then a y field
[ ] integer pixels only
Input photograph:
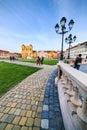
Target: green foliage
[
  {"x": 46, "y": 61},
  {"x": 12, "y": 74}
]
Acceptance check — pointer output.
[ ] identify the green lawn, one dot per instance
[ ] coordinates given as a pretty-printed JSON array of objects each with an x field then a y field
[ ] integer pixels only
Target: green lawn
[
  {"x": 46, "y": 61},
  {"x": 12, "y": 74}
]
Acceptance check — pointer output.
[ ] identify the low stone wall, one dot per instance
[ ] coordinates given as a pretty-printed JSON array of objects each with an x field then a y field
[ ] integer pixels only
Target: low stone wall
[{"x": 72, "y": 89}]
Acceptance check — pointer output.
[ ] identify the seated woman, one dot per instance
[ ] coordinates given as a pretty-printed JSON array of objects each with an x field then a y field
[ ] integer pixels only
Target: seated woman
[{"x": 38, "y": 61}]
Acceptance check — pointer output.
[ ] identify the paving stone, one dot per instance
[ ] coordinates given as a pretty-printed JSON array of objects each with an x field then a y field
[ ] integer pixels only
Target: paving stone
[
  {"x": 12, "y": 111},
  {"x": 37, "y": 122},
  {"x": 34, "y": 108},
  {"x": 3, "y": 118},
  {"x": 1, "y": 114},
  {"x": 9, "y": 104},
  {"x": 9, "y": 127},
  {"x": 33, "y": 102},
  {"x": 45, "y": 115},
  {"x": 52, "y": 123},
  {"x": 51, "y": 101},
  {"x": 5, "y": 103},
  {"x": 24, "y": 128},
  {"x": 23, "y": 121},
  {"x": 16, "y": 120},
  {"x": 2, "y": 109},
  {"x": 19, "y": 105},
  {"x": 34, "y": 114},
  {"x": 23, "y": 112},
  {"x": 51, "y": 114},
  {"x": 29, "y": 114},
  {"x": 28, "y": 107},
  {"x": 13, "y": 104},
  {"x": 19, "y": 100},
  {"x": 17, "y": 112},
  {"x": 3, "y": 126},
  {"x": 45, "y": 123},
  {"x": 56, "y": 109},
  {"x": 38, "y": 115},
  {"x": 51, "y": 107},
  {"x": 23, "y": 101},
  {"x": 7, "y": 109},
  {"x": 23, "y": 106},
  {"x": 10, "y": 118},
  {"x": 40, "y": 103},
  {"x": 39, "y": 109},
  {"x": 41, "y": 99},
  {"x": 30, "y": 122},
  {"x": 45, "y": 108},
  {"x": 28, "y": 102},
  {"x": 36, "y": 128},
  {"x": 46, "y": 101},
  {"x": 30, "y": 128},
  {"x": 16, "y": 127}
]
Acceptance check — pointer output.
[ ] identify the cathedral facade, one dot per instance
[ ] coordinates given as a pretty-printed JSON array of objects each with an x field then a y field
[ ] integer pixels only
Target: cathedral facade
[{"x": 28, "y": 52}]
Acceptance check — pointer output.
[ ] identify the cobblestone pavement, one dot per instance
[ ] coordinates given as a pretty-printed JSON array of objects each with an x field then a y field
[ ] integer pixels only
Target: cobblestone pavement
[{"x": 32, "y": 104}]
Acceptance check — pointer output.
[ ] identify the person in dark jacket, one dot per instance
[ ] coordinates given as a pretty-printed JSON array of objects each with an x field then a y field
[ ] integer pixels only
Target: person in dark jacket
[
  {"x": 78, "y": 61},
  {"x": 42, "y": 59}
]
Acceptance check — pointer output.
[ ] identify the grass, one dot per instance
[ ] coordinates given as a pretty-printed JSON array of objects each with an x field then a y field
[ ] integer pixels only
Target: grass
[
  {"x": 12, "y": 74},
  {"x": 46, "y": 61},
  {"x": 50, "y": 61}
]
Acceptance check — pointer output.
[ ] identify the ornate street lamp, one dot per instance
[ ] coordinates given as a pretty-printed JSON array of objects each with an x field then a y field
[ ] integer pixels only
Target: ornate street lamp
[
  {"x": 70, "y": 40},
  {"x": 63, "y": 31}
]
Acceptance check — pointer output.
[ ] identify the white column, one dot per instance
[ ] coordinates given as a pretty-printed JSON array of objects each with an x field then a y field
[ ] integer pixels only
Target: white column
[
  {"x": 70, "y": 91},
  {"x": 75, "y": 99},
  {"x": 82, "y": 112}
]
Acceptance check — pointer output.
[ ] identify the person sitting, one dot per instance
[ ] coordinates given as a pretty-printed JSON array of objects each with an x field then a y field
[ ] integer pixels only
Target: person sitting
[{"x": 38, "y": 61}]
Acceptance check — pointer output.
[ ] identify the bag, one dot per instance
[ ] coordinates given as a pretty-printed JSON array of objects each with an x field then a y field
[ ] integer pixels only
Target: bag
[{"x": 78, "y": 63}]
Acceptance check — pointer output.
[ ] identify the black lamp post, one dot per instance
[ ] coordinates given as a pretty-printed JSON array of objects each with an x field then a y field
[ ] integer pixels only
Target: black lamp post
[
  {"x": 63, "y": 31},
  {"x": 70, "y": 40}
]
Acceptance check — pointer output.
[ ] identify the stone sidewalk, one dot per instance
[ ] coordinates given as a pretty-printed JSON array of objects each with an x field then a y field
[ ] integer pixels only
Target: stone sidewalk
[{"x": 32, "y": 104}]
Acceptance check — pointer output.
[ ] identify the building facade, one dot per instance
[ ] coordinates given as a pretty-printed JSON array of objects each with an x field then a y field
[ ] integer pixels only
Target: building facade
[
  {"x": 28, "y": 52},
  {"x": 6, "y": 54},
  {"x": 80, "y": 48}
]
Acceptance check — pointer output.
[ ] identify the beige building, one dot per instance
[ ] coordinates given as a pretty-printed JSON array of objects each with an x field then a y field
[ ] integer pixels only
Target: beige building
[
  {"x": 6, "y": 54},
  {"x": 27, "y": 52},
  {"x": 48, "y": 54},
  {"x": 80, "y": 48}
]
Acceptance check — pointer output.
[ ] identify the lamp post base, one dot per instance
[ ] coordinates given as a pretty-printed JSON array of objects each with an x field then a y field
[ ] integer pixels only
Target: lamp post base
[{"x": 61, "y": 57}]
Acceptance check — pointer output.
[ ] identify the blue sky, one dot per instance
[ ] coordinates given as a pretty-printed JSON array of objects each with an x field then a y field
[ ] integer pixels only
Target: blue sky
[{"x": 33, "y": 21}]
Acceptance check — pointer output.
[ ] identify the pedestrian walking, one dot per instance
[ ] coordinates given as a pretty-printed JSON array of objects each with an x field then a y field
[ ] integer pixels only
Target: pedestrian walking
[
  {"x": 10, "y": 58},
  {"x": 78, "y": 61}
]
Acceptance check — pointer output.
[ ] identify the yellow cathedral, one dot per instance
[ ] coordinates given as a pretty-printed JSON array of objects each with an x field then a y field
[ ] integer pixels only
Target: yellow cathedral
[{"x": 28, "y": 52}]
